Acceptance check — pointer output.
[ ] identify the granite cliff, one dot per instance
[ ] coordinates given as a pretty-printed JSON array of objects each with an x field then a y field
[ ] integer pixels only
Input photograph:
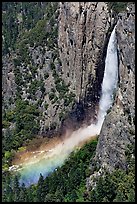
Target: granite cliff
[
  {"x": 119, "y": 126},
  {"x": 62, "y": 74},
  {"x": 118, "y": 130},
  {"x": 60, "y": 70},
  {"x": 53, "y": 60}
]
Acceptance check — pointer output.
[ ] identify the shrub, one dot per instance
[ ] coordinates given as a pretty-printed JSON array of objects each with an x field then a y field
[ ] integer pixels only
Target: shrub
[
  {"x": 51, "y": 96},
  {"x": 8, "y": 155},
  {"x": 57, "y": 79},
  {"x": 117, "y": 7},
  {"x": 28, "y": 77},
  {"x": 33, "y": 87},
  {"x": 55, "y": 75},
  {"x": 39, "y": 102},
  {"x": 52, "y": 66},
  {"x": 11, "y": 101},
  {"x": 33, "y": 70},
  {"x": 10, "y": 115},
  {"x": 42, "y": 87},
  {"x": 16, "y": 62},
  {"x": 61, "y": 116},
  {"x": 5, "y": 124},
  {"x": 46, "y": 75},
  {"x": 66, "y": 101},
  {"x": 46, "y": 106},
  {"x": 20, "y": 149}
]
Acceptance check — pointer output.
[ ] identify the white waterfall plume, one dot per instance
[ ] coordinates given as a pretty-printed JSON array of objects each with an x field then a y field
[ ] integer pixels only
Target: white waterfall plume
[
  {"x": 47, "y": 162},
  {"x": 110, "y": 79}
]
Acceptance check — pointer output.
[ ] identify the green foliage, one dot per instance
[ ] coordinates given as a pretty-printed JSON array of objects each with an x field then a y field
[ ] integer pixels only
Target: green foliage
[
  {"x": 11, "y": 100},
  {"x": 7, "y": 119},
  {"x": 105, "y": 188},
  {"x": 34, "y": 86},
  {"x": 81, "y": 192},
  {"x": 25, "y": 24},
  {"x": 52, "y": 96},
  {"x": 53, "y": 90},
  {"x": 57, "y": 79},
  {"x": 39, "y": 102},
  {"x": 115, "y": 187},
  {"x": 126, "y": 189},
  {"x": 40, "y": 192},
  {"x": 62, "y": 115},
  {"x": 5, "y": 167},
  {"x": 67, "y": 183},
  {"x": 7, "y": 191},
  {"x": 7, "y": 141},
  {"x": 42, "y": 86},
  {"x": 16, "y": 189},
  {"x": 63, "y": 89},
  {"x": 18, "y": 93},
  {"x": 52, "y": 66},
  {"x": 23, "y": 195},
  {"x": 10, "y": 115},
  {"x": 46, "y": 75},
  {"x": 24, "y": 116},
  {"x": 20, "y": 149},
  {"x": 17, "y": 62},
  {"x": 39, "y": 34},
  {"x": 64, "y": 184},
  {"x": 17, "y": 18},
  {"x": 118, "y": 186},
  {"x": 33, "y": 70},
  {"x": 23, "y": 52},
  {"x": 117, "y": 7},
  {"x": 8, "y": 155},
  {"x": 69, "y": 99},
  {"x": 18, "y": 76},
  {"x": 5, "y": 124},
  {"x": 46, "y": 106},
  {"x": 27, "y": 77}
]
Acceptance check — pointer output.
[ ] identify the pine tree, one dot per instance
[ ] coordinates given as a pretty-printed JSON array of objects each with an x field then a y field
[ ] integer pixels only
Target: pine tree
[
  {"x": 40, "y": 189},
  {"x": 7, "y": 192},
  {"x": 16, "y": 188},
  {"x": 23, "y": 197}
]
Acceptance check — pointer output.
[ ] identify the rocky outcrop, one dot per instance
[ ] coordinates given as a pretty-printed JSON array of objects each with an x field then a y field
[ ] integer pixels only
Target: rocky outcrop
[
  {"x": 83, "y": 31},
  {"x": 64, "y": 74},
  {"x": 118, "y": 129},
  {"x": 8, "y": 82}
]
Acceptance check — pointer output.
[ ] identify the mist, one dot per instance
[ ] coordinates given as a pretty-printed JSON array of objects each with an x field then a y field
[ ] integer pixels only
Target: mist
[{"x": 47, "y": 160}]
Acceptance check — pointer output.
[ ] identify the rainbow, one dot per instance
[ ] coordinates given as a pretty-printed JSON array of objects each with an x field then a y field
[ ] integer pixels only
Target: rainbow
[{"x": 46, "y": 160}]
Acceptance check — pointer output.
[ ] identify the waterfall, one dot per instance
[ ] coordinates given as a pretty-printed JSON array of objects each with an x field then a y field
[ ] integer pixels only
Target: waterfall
[
  {"x": 48, "y": 161},
  {"x": 110, "y": 76}
]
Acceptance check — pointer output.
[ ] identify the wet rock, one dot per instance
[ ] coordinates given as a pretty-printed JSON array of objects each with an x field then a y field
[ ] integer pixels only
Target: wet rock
[{"x": 116, "y": 131}]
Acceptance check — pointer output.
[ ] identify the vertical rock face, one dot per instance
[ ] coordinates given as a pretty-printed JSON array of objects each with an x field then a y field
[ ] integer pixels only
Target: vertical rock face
[
  {"x": 83, "y": 27},
  {"x": 119, "y": 126},
  {"x": 74, "y": 75},
  {"x": 8, "y": 81}
]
